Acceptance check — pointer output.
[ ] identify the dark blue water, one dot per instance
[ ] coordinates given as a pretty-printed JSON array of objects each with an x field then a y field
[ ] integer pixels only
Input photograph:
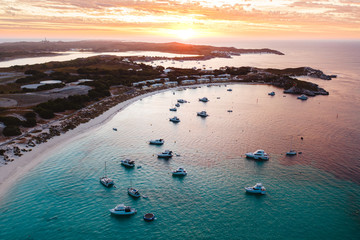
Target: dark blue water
[{"x": 310, "y": 196}]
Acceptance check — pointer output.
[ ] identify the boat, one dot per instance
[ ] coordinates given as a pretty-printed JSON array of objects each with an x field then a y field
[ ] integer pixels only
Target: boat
[
  {"x": 302, "y": 97},
  {"x": 229, "y": 110},
  {"x": 149, "y": 217},
  {"x": 107, "y": 182},
  {"x": 121, "y": 209},
  {"x": 271, "y": 93},
  {"x": 174, "y": 119},
  {"x": 204, "y": 99},
  {"x": 128, "y": 163},
  {"x": 115, "y": 129},
  {"x": 173, "y": 109},
  {"x": 179, "y": 172},
  {"x": 181, "y": 101},
  {"x": 165, "y": 154},
  {"x": 177, "y": 105},
  {"x": 257, "y": 189},
  {"x": 229, "y": 90},
  {"x": 291, "y": 153},
  {"x": 133, "y": 192},
  {"x": 157, "y": 142},
  {"x": 202, "y": 114},
  {"x": 258, "y": 155}
]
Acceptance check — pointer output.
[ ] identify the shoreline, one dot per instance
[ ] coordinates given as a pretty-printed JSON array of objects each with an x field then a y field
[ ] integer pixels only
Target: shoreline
[{"x": 13, "y": 171}]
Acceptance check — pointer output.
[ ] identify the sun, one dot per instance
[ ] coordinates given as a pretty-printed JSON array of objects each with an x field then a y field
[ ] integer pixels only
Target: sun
[{"x": 184, "y": 34}]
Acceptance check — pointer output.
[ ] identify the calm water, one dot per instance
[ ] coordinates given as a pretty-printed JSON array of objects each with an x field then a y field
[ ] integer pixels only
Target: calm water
[{"x": 310, "y": 196}]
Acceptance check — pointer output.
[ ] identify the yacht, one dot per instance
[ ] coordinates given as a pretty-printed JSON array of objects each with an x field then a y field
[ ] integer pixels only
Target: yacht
[
  {"x": 202, "y": 114},
  {"x": 177, "y": 105},
  {"x": 257, "y": 189},
  {"x": 204, "y": 99},
  {"x": 258, "y": 155},
  {"x": 133, "y": 192},
  {"x": 271, "y": 93},
  {"x": 165, "y": 154},
  {"x": 179, "y": 172},
  {"x": 302, "y": 97},
  {"x": 173, "y": 109},
  {"x": 128, "y": 163},
  {"x": 174, "y": 119},
  {"x": 121, "y": 209},
  {"x": 229, "y": 90},
  {"x": 157, "y": 142},
  {"x": 107, "y": 182}
]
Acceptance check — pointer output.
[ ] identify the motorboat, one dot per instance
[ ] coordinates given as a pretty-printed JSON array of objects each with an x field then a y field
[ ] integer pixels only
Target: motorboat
[
  {"x": 229, "y": 110},
  {"x": 291, "y": 153},
  {"x": 157, "y": 142},
  {"x": 128, "y": 163},
  {"x": 121, "y": 209},
  {"x": 107, "y": 182},
  {"x": 177, "y": 105},
  {"x": 181, "y": 101},
  {"x": 258, "y": 155},
  {"x": 302, "y": 97},
  {"x": 204, "y": 99},
  {"x": 229, "y": 89},
  {"x": 175, "y": 119},
  {"x": 165, "y": 154},
  {"x": 257, "y": 189},
  {"x": 271, "y": 93},
  {"x": 202, "y": 114},
  {"x": 115, "y": 129},
  {"x": 173, "y": 109},
  {"x": 179, "y": 172},
  {"x": 133, "y": 192},
  {"x": 149, "y": 217}
]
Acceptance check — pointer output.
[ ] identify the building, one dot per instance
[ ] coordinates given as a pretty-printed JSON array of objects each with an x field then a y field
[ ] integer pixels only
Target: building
[
  {"x": 171, "y": 84},
  {"x": 185, "y": 82}
]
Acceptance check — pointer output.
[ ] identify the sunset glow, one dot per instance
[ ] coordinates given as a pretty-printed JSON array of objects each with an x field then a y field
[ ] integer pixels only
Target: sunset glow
[{"x": 149, "y": 18}]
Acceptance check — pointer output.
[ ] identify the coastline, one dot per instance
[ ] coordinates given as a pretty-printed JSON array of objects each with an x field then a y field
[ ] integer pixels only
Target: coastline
[{"x": 11, "y": 172}]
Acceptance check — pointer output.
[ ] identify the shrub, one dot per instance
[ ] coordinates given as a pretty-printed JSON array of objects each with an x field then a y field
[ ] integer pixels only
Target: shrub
[
  {"x": 10, "y": 121},
  {"x": 11, "y": 131}
]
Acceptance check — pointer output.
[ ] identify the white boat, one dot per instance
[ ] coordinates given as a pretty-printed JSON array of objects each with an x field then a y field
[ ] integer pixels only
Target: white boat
[
  {"x": 257, "y": 189},
  {"x": 174, "y": 119},
  {"x": 204, "y": 99},
  {"x": 179, "y": 172},
  {"x": 133, "y": 192},
  {"x": 173, "y": 109},
  {"x": 258, "y": 155},
  {"x": 302, "y": 97},
  {"x": 121, "y": 209},
  {"x": 291, "y": 153},
  {"x": 157, "y": 142},
  {"x": 271, "y": 93},
  {"x": 177, "y": 105},
  {"x": 165, "y": 154},
  {"x": 202, "y": 114},
  {"x": 181, "y": 101},
  {"x": 107, "y": 182},
  {"x": 128, "y": 163}
]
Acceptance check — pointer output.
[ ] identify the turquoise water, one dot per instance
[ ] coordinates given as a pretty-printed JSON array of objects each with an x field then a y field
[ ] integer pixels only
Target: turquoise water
[{"x": 63, "y": 199}]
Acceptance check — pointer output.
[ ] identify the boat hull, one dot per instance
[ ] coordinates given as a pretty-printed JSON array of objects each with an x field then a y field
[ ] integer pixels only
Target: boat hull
[
  {"x": 256, "y": 157},
  {"x": 121, "y": 213},
  {"x": 253, "y": 191}
]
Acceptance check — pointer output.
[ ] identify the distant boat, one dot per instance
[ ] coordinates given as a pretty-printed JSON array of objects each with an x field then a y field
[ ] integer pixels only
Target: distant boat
[
  {"x": 257, "y": 189},
  {"x": 173, "y": 109},
  {"x": 179, "y": 172},
  {"x": 128, "y": 163},
  {"x": 107, "y": 182},
  {"x": 291, "y": 152},
  {"x": 204, "y": 99},
  {"x": 149, "y": 217},
  {"x": 121, "y": 209},
  {"x": 258, "y": 155},
  {"x": 174, "y": 119},
  {"x": 133, "y": 192},
  {"x": 157, "y": 142},
  {"x": 177, "y": 105},
  {"x": 165, "y": 154},
  {"x": 302, "y": 97},
  {"x": 271, "y": 93},
  {"x": 181, "y": 101},
  {"x": 202, "y": 114},
  {"x": 229, "y": 89},
  {"x": 229, "y": 110},
  {"x": 115, "y": 129}
]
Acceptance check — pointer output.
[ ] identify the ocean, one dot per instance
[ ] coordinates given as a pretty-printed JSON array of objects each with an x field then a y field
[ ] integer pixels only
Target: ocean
[{"x": 313, "y": 195}]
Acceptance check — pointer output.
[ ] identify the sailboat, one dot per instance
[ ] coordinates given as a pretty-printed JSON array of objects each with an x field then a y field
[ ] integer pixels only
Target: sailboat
[
  {"x": 291, "y": 152},
  {"x": 107, "y": 182}
]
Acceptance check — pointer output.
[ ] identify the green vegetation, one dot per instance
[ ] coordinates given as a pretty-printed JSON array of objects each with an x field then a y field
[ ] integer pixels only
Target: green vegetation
[{"x": 11, "y": 131}]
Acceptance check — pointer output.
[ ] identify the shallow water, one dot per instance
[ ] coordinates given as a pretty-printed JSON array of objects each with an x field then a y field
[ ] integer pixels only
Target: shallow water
[{"x": 62, "y": 198}]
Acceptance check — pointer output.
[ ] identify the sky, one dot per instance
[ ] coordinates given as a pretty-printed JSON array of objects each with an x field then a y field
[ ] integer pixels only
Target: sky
[{"x": 179, "y": 19}]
